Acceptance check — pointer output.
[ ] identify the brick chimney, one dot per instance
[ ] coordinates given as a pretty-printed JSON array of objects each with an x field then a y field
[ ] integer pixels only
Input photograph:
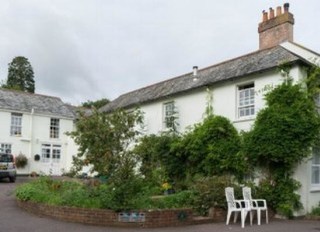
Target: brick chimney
[{"x": 275, "y": 29}]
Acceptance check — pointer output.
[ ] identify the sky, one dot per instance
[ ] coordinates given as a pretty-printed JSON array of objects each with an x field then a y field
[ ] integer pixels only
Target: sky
[{"x": 84, "y": 50}]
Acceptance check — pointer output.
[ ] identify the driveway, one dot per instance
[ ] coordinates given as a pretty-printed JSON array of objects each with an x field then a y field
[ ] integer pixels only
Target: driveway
[{"x": 13, "y": 219}]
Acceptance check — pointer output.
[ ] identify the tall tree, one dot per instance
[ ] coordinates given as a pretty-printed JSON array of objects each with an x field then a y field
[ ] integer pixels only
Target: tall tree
[{"x": 20, "y": 75}]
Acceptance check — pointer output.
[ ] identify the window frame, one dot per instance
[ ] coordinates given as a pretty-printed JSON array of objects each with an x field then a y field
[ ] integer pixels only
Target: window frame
[
  {"x": 168, "y": 115},
  {"x": 51, "y": 153},
  {"x": 16, "y": 124},
  {"x": 246, "y": 101},
  {"x": 54, "y": 128}
]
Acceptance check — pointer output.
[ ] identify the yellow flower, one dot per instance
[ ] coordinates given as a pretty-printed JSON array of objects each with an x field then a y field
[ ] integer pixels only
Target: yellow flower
[{"x": 166, "y": 186}]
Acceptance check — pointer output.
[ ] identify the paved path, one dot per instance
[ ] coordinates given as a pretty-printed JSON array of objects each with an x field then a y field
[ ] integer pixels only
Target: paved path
[{"x": 13, "y": 219}]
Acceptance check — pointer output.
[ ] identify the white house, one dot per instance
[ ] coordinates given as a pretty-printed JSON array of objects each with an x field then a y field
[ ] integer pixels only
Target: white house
[
  {"x": 35, "y": 125},
  {"x": 235, "y": 89}
]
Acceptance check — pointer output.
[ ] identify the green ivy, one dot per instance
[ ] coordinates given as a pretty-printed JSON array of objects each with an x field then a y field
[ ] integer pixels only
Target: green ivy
[{"x": 281, "y": 138}]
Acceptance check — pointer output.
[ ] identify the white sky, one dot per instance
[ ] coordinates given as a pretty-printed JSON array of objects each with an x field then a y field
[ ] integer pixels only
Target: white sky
[{"x": 91, "y": 49}]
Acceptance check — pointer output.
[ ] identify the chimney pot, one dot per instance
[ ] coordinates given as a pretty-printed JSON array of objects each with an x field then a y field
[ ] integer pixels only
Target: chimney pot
[
  {"x": 286, "y": 7},
  {"x": 271, "y": 13},
  {"x": 279, "y": 10},
  {"x": 195, "y": 70},
  {"x": 264, "y": 16}
]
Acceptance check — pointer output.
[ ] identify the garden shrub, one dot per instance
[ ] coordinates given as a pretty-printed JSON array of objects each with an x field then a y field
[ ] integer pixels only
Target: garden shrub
[
  {"x": 213, "y": 148},
  {"x": 210, "y": 192}
]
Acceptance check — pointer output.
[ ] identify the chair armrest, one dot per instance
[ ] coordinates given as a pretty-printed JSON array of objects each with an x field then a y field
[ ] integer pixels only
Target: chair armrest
[
  {"x": 244, "y": 204},
  {"x": 257, "y": 201}
]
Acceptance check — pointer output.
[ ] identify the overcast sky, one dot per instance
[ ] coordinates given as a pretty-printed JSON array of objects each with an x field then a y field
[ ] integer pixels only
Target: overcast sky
[{"x": 91, "y": 49}]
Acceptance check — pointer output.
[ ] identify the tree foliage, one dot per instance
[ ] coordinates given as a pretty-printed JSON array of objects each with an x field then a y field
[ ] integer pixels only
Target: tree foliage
[
  {"x": 285, "y": 130},
  {"x": 104, "y": 141},
  {"x": 20, "y": 75},
  {"x": 210, "y": 148},
  {"x": 95, "y": 104},
  {"x": 213, "y": 148}
]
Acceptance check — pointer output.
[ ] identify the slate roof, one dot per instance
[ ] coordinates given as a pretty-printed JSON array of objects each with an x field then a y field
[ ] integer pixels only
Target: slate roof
[
  {"x": 24, "y": 102},
  {"x": 255, "y": 62}
]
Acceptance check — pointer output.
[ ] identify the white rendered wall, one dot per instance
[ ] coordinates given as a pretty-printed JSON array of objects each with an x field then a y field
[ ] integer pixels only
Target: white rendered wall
[{"x": 35, "y": 132}]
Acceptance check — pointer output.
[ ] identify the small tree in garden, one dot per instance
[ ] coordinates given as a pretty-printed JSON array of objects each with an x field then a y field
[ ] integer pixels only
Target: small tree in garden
[
  {"x": 104, "y": 140},
  {"x": 104, "y": 143},
  {"x": 281, "y": 138}
]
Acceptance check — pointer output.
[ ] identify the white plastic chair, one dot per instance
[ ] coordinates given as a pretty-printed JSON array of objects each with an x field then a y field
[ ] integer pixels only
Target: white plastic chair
[
  {"x": 236, "y": 206},
  {"x": 255, "y": 204}
]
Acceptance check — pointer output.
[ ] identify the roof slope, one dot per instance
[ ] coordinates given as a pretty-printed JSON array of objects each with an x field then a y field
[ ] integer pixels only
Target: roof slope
[
  {"x": 41, "y": 104},
  {"x": 259, "y": 61}
]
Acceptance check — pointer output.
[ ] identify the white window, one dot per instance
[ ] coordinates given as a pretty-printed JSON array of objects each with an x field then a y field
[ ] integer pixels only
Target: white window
[
  {"x": 16, "y": 124},
  {"x": 169, "y": 115},
  {"x": 45, "y": 153},
  {"x": 5, "y": 147},
  {"x": 315, "y": 168},
  {"x": 54, "y": 128},
  {"x": 246, "y": 100},
  {"x": 56, "y": 153},
  {"x": 50, "y": 152}
]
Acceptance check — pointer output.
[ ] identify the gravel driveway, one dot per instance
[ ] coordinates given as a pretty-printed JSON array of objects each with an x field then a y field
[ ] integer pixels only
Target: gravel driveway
[{"x": 13, "y": 219}]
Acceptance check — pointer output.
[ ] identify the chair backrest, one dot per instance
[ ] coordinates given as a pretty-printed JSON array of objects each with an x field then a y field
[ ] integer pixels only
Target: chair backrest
[
  {"x": 246, "y": 192},
  {"x": 230, "y": 197}
]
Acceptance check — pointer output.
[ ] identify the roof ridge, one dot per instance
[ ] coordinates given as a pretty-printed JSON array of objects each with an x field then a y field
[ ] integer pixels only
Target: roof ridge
[{"x": 28, "y": 93}]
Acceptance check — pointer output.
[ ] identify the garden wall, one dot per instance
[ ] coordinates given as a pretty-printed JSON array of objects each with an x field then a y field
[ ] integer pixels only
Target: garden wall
[{"x": 144, "y": 218}]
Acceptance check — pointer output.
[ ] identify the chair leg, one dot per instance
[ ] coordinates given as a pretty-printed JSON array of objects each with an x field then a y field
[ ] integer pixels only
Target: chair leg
[
  {"x": 259, "y": 216},
  {"x": 235, "y": 217},
  {"x": 228, "y": 217},
  {"x": 243, "y": 217}
]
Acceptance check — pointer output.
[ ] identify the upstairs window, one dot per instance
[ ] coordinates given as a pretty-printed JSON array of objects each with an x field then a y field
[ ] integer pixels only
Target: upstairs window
[
  {"x": 16, "y": 124},
  {"x": 54, "y": 128},
  {"x": 246, "y": 100},
  {"x": 169, "y": 115}
]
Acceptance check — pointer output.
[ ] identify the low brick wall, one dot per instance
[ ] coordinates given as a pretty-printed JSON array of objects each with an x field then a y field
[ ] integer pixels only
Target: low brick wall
[{"x": 151, "y": 218}]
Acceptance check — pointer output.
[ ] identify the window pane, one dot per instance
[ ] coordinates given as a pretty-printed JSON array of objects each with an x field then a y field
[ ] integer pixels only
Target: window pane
[
  {"x": 16, "y": 124},
  {"x": 54, "y": 127},
  {"x": 246, "y": 100},
  {"x": 169, "y": 118},
  {"x": 315, "y": 177}
]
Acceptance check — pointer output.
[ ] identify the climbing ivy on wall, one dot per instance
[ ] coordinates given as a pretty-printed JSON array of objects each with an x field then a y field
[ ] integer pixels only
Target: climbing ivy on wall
[{"x": 281, "y": 138}]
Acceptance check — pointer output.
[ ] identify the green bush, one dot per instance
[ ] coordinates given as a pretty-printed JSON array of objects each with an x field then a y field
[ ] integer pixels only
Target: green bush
[
  {"x": 316, "y": 211},
  {"x": 210, "y": 192}
]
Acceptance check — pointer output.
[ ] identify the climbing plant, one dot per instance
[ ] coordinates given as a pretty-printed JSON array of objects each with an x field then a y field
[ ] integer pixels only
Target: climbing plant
[{"x": 281, "y": 138}]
